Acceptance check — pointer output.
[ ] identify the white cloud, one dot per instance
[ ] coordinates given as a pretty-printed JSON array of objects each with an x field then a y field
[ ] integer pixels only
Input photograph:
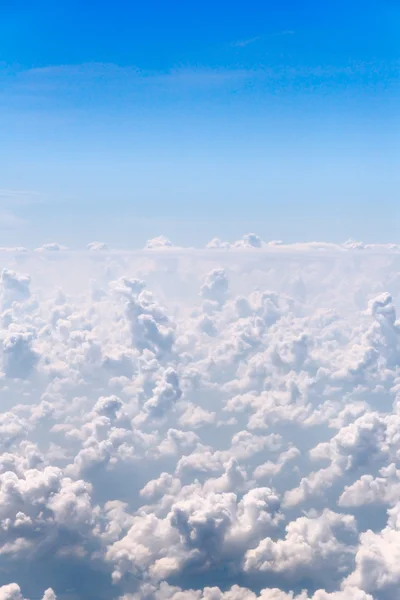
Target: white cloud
[
  {"x": 97, "y": 246},
  {"x": 51, "y": 247},
  {"x": 12, "y": 591},
  {"x": 202, "y": 424},
  {"x": 159, "y": 242},
  {"x": 14, "y": 287}
]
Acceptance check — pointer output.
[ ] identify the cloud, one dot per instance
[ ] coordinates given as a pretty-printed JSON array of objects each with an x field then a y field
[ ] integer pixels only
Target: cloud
[
  {"x": 51, "y": 247},
  {"x": 14, "y": 287},
  {"x": 49, "y": 82},
  {"x": 159, "y": 242},
  {"x": 12, "y": 591},
  {"x": 97, "y": 246},
  {"x": 244, "y": 43},
  {"x": 217, "y": 423}
]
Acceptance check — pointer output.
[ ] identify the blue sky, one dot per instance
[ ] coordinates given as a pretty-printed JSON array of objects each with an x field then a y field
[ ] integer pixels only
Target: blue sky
[{"x": 125, "y": 120}]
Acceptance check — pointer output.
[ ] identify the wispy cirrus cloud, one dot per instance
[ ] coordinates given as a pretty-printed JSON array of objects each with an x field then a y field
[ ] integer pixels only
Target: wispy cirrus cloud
[
  {"x": 113, "y": 83},
  {"x": 243, "y": 43},
  {"x": 87, "y": 72},
  {"x": 54, "y": 78},
  {"x": 247, "y": 41}
]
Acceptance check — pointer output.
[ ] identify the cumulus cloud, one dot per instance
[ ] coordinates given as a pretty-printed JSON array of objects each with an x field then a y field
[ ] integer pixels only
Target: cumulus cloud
[
  {"x": 19, "y": 358},
  {"x": 250, "y": 240},
  {"x": 216, "y": 424},
  {"x": 159, "y": 242},
  {"x": 217, "y": 243},
  {"x": 167, "y": 592},
  {"x": 97, "y": 246},
  {"x": 51, "y": 247},
  {"x": 215, "y": 286},
  {"x": 15, "y": 287},
  {"x": 12, "y": 591}
]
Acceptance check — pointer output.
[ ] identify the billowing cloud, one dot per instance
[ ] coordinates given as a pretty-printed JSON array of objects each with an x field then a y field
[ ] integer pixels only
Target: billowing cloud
[
  {"x": 97, "y": 246},
  {"x": 216, "y": 424},
  {"x": 159, "y": 242}
]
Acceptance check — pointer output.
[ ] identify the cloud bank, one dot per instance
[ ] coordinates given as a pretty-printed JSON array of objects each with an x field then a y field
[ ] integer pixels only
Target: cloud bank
[{"x": 216, "y": 424}]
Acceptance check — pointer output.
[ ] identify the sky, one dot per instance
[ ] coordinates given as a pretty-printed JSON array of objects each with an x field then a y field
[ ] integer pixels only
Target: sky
[
  {"x": 128, "y": 120},
  {"x": 199, "y": 291}
]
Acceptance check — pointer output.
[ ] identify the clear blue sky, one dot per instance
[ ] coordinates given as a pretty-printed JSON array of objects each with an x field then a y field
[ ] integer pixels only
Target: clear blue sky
[{"x": 124, "y": 120}]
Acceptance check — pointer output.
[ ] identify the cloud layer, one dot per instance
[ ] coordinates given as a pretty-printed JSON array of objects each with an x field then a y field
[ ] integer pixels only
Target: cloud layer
[{"x": 216, "y": 424}]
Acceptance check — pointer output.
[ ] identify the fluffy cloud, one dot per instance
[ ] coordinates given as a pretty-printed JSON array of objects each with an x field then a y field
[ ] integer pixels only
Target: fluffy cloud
[
  {"x": 318, "y": 548},
  {"x": 14, "y": 287},
  {"x": 51, "y": 247},
  {"x": 97, "y": 246},
  {"x": 167, "y": 592},
  {"x": 12, "y": 591},
  {"x": 217, "y": 424},
  {"x": 159, "y": 242}
]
